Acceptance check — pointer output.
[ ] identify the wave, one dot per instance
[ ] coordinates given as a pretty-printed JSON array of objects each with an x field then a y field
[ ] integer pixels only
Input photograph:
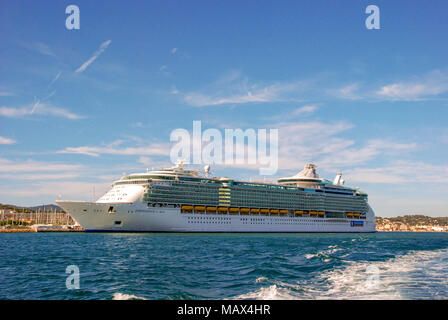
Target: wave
[
  {"x": 325, "y": 255},
  {"x": 124, "y": 296},
  {"x": 272, "y": 292},
  {"x": 415, "y": 275},
  {"x": 260, "y": 279}
]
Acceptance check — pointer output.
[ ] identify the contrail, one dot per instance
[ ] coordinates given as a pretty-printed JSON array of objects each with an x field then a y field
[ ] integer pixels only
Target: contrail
[{"x": 103, "y": 47}]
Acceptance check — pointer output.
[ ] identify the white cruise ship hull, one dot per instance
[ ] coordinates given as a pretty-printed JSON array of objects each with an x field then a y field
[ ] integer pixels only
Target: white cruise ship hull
[{"x": 137, "y": 217}]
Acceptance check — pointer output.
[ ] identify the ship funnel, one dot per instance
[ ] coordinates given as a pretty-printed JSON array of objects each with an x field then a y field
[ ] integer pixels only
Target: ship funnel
[{"x": 338, "y": 181}]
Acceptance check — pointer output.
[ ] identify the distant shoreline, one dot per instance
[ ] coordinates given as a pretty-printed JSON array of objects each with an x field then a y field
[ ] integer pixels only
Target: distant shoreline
[{"x": 31, "y": 230}]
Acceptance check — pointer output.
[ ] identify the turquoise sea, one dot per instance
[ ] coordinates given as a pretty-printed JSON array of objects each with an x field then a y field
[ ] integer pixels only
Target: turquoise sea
[{"x": 225, "y": 266}]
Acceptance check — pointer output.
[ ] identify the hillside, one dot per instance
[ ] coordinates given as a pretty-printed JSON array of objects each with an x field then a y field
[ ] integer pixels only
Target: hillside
[{"x": 46, "y": 207}]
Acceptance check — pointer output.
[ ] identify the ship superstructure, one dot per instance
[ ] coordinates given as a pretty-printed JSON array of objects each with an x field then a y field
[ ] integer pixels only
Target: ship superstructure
[{"x": 181, "y": 200}]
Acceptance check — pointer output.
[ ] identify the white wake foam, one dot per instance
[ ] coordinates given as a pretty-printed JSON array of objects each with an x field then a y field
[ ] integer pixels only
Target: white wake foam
[
  {"x": 268, "y": 293},
  {"x": 325, "y": 254},
  {"x": 415, "y": 275},
  {"x": 124, "y": 296}
]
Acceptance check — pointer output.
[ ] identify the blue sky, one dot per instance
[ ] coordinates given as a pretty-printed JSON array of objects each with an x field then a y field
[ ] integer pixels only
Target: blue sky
[{"x": 80, "y": 107}]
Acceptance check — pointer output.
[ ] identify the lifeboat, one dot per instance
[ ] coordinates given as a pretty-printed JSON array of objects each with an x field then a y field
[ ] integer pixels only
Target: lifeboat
[
  {"x": 321, "y": 213},
  {"x": 222, "y": 209},
  {"x": 313, "y": 213},
  {"x": 234, "y": 210},
  {"x": 349, "y": 215},
  {"x": 185, "y": 208},
  {"x": 298, "y": 212},
  {"x": 356, "y": 215},
  {"x": 211, "y": 209},
  {"x": 199, "y": 208},
  {"x": 244, "y": 210},
  {"x": 273, "y": 211},
  {"x": 254, "y": 210},
  {"x": 283, "y": 211},
  {"x": 264, "y": 211}
]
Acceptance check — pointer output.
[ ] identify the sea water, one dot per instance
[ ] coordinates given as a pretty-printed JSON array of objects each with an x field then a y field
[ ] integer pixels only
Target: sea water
[{"x": 225, "y": 266}]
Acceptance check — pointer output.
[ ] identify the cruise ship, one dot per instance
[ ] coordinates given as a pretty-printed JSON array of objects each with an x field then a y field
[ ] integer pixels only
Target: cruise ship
[{"x": 180, "y": 200}]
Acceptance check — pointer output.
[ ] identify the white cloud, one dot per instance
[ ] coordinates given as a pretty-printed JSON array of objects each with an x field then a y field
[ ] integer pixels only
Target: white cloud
[
  {"x": 39, "y": 176},
  {"x": 271, "y": 93},
  {"x": 421, "y": 88},
  {"x": 38, "y": 108},
  {"x": 4, "y": 140},
  {"x": 44, "y": 49},
  {"x": 138, "y": 124},
  {"x": 97, "y": 53},
  {"x": 371, "y": 149},
  {"x": 401, "y": 172},
  {"x": 348, "y": 92},
  {"x": 174, "y": 50},
  {"x": 174, "y": 90},
  {"x": 160, "y": 149},
  {"x": 234, "y": 88},
  {"x": 322, "y": 143},
  {"x": 304, "y": 110},
  {"x": 200, "y": 100},
  {"x": 6, "y": 94},
  {"x": 35, "y": 166},
  {"x": 68, "y": 189},
  {"x": 40, "y": 47}
]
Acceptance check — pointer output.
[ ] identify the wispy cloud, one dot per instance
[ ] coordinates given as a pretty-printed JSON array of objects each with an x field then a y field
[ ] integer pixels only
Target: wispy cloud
[
  {"x": 40, "y": 47},
  {"x": 327, "y": 145},
  {"x": 44, "y": 49},
  {"x": 4, "y": 140},
  {"x": 236, "y": 89},
  {"x": 174, "y": 50},
  {"x": 424, "y": 87},
  {"x": 369, "y": 151},
  {"x": 35, "y": 166},
  {"x": 201, "y": 100},
  {"x": 67, "y": 189},
  {"x": 38, "y": 108},
  {"x": 55, "y": 79},
  {"x": 97, "y": 53},
  {"x": 160, "y": 149},
  {"x": 304, "y": 110},
  {"x": 348, "y": 92},
  {"x": 39, "y": 176},
  {"x": 6, "y": 94},
  {"x": 400, "y": 172}
]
